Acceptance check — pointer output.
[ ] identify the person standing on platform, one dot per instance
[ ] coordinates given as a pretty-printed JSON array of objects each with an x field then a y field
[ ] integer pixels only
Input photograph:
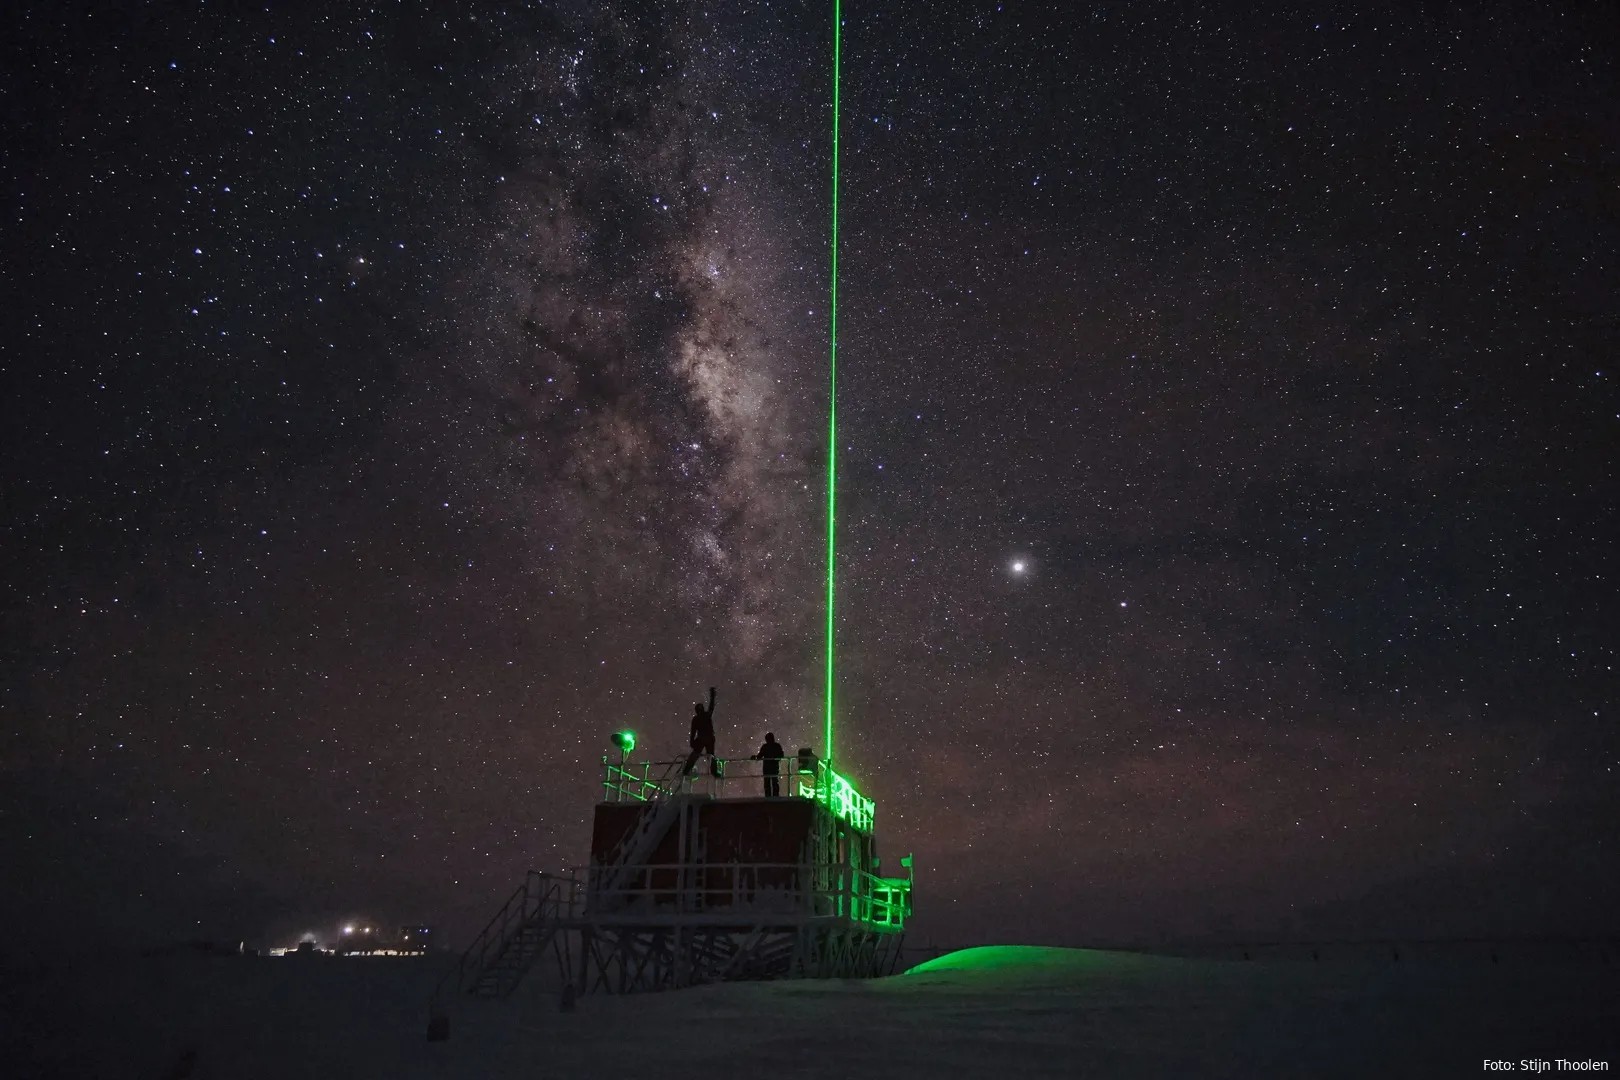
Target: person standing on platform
[
  {"x": 771, "y": 754},
  {"x": 702, "y": 737}
]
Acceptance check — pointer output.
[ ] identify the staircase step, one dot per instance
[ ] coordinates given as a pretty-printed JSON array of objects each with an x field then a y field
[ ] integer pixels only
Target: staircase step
[{"x": 529, "y": 921}]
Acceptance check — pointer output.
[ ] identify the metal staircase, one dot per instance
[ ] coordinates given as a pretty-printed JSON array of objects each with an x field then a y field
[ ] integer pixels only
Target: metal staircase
[
  {"x": 656, "y": 819},
  {"x": 542, "y": 908},
  {"x": 519, "y": 934},
  {"x": 501, "y": 976}
]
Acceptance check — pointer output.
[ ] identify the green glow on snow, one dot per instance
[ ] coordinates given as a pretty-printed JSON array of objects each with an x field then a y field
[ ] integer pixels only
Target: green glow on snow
[{"x": 1028, "y": 959}]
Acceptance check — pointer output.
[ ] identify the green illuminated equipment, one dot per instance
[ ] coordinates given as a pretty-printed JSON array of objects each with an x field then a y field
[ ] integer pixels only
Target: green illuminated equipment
[
  {"x": 849, "y": 804},
  {"x": 836, "y": 793}
]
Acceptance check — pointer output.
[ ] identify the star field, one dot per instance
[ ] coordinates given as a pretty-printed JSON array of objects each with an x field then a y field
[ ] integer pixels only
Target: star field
[{"x": 399, "y": 400}]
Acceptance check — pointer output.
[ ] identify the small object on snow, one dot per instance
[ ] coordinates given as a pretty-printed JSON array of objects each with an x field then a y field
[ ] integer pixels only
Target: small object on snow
[{"x": 184, "y": 1066}]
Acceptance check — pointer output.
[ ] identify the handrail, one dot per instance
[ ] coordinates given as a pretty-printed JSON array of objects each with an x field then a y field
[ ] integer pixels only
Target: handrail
[
  {"x": 814, "y": 889},
  {"x": 648, "y": 830},
  {"x": 540, "y": 894},
  {"x": 620, "y": 782},
  {"x": 624, "y": 781}
]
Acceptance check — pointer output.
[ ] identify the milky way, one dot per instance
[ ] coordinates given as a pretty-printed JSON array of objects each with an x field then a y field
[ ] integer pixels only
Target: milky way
[{"x": 626, "y": 316}]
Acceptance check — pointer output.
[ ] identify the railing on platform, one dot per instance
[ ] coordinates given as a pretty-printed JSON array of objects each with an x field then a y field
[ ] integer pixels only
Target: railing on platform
[
  {"x": 747, "y": 890},
  {"x": 800, "y": 778},
  {"x": 845, "y": 802},
  {"x": 642, "y": 781}
]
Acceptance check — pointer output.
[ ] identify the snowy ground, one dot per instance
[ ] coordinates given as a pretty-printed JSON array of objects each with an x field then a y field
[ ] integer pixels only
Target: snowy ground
[{"x": 1014, "y": 1013}]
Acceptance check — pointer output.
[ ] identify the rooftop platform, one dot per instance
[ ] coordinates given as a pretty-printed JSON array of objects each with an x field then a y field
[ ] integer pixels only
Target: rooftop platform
[{"x": 802, "y": 777}]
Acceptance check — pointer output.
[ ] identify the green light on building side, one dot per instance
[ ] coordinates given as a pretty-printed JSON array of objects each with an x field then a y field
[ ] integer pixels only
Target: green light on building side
[
  {"x": 834, "y": 791},
  {"x": 847, "y": 803}
]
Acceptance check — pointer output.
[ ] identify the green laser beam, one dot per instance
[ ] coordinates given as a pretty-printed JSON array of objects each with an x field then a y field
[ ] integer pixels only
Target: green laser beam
[{"x": 832, "y": 388}]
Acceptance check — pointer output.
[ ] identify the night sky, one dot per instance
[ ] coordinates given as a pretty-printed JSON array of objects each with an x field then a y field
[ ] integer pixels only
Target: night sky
[{"x": 398, "y": 400}]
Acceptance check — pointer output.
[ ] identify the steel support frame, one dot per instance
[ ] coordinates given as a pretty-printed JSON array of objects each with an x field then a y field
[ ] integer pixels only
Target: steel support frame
[
  {"x": 627, "y": 958},
  {"x": 630, "y": 959}
]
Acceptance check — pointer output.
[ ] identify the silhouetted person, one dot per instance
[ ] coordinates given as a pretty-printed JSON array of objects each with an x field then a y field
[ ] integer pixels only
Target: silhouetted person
[
  {"x": 771, "y": 754},
  {"x": 702, "y": 737}
]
